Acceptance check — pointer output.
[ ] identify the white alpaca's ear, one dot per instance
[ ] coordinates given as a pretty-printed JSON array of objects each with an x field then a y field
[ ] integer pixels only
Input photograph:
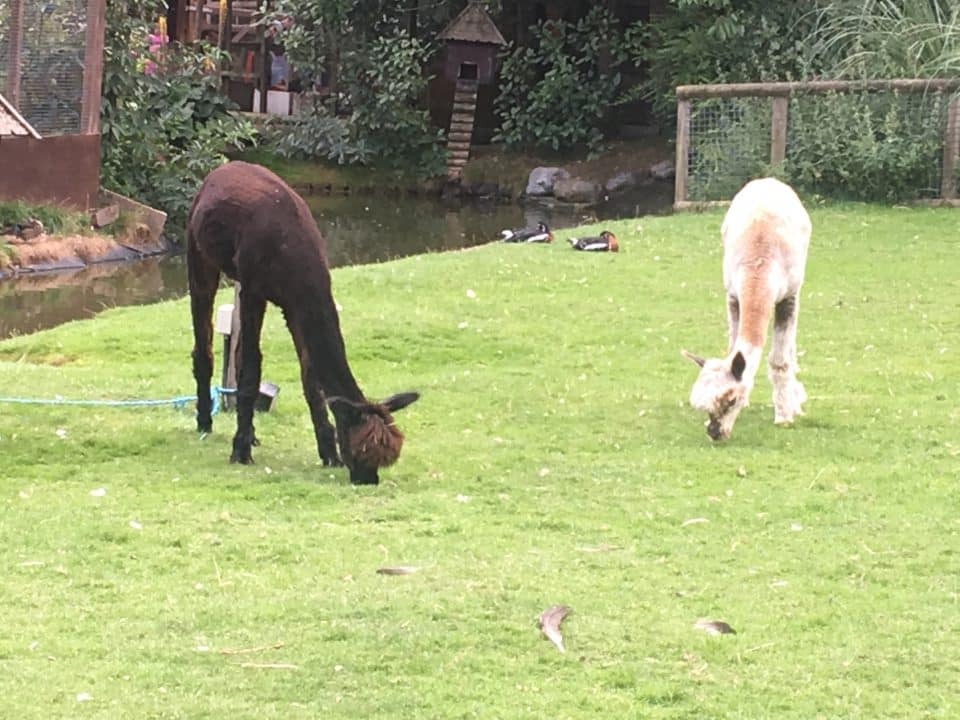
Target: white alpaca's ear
[
  {"x": 737, "y": 366},
  {"x": 695, "y": 358}
]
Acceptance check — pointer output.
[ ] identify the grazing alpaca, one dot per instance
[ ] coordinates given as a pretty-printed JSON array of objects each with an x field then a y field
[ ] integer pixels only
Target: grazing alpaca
[
  {"x": 247, "y": 223},
  {"x": 766, "y": 232}
]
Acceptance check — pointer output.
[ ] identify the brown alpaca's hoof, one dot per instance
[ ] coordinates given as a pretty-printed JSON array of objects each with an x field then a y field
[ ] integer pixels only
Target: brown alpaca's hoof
[
  {"x": 364, "y": 477},
  {"x": 241, "y": 454},
  {"x": 204, "y": 427}
]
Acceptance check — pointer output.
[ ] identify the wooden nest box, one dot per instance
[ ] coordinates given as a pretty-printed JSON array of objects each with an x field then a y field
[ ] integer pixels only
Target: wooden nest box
[{"x": 471, "y": 42}]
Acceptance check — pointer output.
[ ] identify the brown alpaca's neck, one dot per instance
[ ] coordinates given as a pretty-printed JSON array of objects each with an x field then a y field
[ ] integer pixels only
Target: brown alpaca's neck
[{"x": 319, "y": 336}]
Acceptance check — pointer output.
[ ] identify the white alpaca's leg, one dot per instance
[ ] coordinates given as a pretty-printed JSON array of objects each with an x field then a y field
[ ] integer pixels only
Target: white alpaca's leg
[
  {"x": 733, "y": 321},
  {"x": 788, "y": 392}
]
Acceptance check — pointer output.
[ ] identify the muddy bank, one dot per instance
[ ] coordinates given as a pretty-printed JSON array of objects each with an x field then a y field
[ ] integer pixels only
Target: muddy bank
[{"x": 49, "y": 253}]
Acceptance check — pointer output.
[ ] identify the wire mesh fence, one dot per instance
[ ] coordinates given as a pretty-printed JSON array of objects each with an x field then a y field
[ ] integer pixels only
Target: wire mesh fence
[
  {"x": 889, "y": 140},
  {"x": 42, "y": 46},
  {"x": 729, "y": 142},
  {"x": 860, "y": 141}
]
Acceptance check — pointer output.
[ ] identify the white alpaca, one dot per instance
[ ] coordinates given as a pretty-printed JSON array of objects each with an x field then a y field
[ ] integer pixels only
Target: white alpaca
[{"x": 765, "y": 233}]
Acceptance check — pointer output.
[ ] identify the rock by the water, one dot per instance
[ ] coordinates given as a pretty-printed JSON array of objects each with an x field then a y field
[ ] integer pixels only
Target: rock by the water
[
  {"x": 484, "y": 189},
  {"x": 623, "y": 181},
  {"x": 575, "y": 190},
  {"x": 542, "y": 180},
  {"x": 662, "y": 170}
]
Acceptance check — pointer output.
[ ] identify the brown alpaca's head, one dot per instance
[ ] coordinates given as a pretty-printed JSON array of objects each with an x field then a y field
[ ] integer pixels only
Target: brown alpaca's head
[{"x": 368, "y": 437}]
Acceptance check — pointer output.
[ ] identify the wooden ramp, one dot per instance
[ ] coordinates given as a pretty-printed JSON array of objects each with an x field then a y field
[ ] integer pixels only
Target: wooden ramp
[
  {"x": 13, "y": 123},
  {"x": 461, "y": 127}
]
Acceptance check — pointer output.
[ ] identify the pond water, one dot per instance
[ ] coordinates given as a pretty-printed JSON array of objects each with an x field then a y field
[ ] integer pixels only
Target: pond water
[{"x": 359, "y": 229}]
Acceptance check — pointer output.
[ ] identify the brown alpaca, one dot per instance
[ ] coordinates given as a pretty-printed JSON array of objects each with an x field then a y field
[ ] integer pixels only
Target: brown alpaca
[{"x": 250, "y": 225}]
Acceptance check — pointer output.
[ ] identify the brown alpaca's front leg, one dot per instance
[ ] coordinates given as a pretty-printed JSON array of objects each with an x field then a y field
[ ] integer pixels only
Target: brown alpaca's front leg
[
  {"x": 313, "y": 392},
  {"x": 325, "y": 434},
  {"x": 248, "y": 383}
]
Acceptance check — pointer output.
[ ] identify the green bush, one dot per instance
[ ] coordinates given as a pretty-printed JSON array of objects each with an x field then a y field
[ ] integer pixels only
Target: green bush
[
  {"x": 561, "y": 90},
  {"x": 164, "y": 127},
  {"x": 385, "y": 84},
  {"x": 717, "y": 41},
  {"x": 374, "y": 70},
  {"x": 887, "y": 39},
  {"x": 314, "y": 133}
]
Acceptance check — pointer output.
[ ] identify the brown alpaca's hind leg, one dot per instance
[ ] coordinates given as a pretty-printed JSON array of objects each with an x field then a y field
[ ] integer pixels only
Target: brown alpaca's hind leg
[
  {"x": 252, "y": 309},
  {"x": 203, "y": 279}
]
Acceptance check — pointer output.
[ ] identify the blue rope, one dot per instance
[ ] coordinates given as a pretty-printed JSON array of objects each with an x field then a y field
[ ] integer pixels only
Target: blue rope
[{"x": 180, "y": 401}]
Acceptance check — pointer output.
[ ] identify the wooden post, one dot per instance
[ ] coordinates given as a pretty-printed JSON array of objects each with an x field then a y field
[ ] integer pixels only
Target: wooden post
[
  {"x": 224, "y": 37},
  {"x": 193, "y": 21},
  {"x": 93, "y": 68},
  {"x": 778, "y": 130},
  {"x": 264, "y": 81},
  {"x": 951, "y": 136},
  {"x": 232, "y": 361},
  {"x": 683, "y": 151},
  {"x": 14, "y": 50},
  {"x": 180, "y": 31}
]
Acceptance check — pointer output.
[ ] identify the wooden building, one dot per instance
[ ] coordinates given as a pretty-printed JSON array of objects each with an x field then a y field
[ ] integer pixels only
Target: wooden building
[
  {"x": 462, "y": 92},
  {"x": 50, "y": 141},
  {"x": 234, "y": 26}
]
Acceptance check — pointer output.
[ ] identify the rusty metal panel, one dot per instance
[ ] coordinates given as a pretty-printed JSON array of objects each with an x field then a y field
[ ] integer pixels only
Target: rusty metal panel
[{"x": 62, "y": 169}]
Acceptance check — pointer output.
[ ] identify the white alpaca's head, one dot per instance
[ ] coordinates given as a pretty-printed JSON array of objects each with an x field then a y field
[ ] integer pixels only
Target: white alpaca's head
[{"x": 720, "y": 391}]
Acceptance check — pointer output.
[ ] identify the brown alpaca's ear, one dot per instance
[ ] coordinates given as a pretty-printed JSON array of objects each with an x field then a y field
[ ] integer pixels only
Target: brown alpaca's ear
[
  {"x": 348, "y": 409},
  {"x": 400, "y": 401},
  {"x": 695, "y": 358},
  {"x": 738, "y": 365}
]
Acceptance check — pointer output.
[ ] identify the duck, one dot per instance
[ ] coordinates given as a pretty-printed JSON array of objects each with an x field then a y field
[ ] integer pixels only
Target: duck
[
  {"x": 604, "y": 242},
  {"x": 27, "y": 230},
  {"x": 539, "y": 234}
]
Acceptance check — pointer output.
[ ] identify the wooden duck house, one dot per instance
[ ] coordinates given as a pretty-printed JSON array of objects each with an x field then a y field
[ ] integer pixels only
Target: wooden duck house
[{"x": 472, "y": 42}]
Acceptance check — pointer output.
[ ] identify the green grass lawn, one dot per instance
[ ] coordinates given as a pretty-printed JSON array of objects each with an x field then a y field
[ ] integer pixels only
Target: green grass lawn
[{"x": 551, "y": 459}]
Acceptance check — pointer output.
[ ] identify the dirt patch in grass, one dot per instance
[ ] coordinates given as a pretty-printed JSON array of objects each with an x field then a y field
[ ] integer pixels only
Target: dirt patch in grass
[{"x": 52, "y": 359}]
